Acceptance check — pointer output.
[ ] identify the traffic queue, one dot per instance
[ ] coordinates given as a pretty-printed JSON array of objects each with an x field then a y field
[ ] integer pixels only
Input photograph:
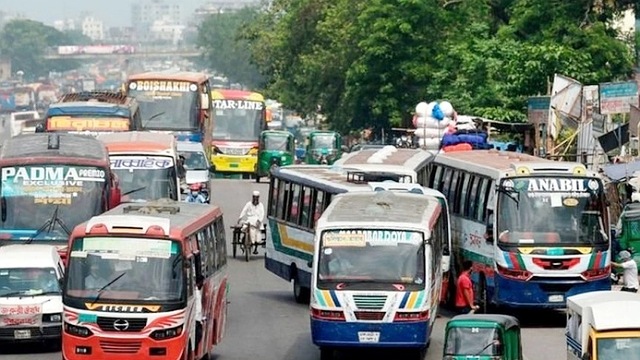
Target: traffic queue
[{"x": 124, "y": 263}]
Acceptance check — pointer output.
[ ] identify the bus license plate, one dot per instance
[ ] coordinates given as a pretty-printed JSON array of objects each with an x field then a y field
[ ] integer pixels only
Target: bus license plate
[
  {"x": 234, "y": 165},
  {"x": 556, "y": 298},
  {"x": 22, "y": 334},
  {"x": 368, "y": 336}
]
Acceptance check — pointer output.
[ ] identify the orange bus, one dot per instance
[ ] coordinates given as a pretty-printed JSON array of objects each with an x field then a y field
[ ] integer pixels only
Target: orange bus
[
  {"x": 129, "y": 290},
  {"x": 174, "y": 102}
]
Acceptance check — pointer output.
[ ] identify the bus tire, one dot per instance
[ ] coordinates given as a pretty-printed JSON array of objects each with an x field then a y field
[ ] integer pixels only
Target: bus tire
[
  {"x": 301, "y": 294},
  {"x": 326, "y": 353}
]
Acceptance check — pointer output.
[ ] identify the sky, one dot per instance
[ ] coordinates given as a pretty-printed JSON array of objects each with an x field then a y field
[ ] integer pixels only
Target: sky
[{"x": 112, "y": 12}]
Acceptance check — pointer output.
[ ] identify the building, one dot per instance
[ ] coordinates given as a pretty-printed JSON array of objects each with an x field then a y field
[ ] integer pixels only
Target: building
[
  {"x": 120, "y": 35},
  {"x": 93, "y": 28},
  {"x": 65, "y": 25},
  {"x": 145, "y": 14},
  {"x": 164, "y": 30}
]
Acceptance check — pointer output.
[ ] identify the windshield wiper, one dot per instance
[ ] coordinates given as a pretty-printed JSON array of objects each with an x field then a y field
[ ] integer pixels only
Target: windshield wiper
[
  {"x": 513, "y": 195},
  {"x": 106, "y": 286},
  {"x": 134, "y": 191},
  {"x": 14, "y": 293},
  {"x": 485, "y": 348},
  {"x": 153, "y": 117},
  {"x": 50, "y": 225}
]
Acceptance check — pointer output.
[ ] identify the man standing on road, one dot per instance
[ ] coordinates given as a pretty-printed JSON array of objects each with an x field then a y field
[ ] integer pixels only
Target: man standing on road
[
  {"x": 630, "y": 272},
  {"x": 464, "y": 290}
]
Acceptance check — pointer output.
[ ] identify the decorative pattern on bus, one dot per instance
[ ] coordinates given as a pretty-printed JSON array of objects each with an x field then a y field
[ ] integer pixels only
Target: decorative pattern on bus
[
  {"x": 291, "y": 245},
  {"x": 413, "y": 300},
  {"x": 327, "y": 298}
]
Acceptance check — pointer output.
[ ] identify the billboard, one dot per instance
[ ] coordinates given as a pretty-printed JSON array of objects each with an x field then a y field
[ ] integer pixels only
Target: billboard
[
  {"x": 615, "y": 98},
  {"x": 96, "y": 50}
]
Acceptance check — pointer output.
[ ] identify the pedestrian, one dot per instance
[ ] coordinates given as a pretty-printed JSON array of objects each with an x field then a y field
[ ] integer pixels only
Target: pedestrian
[
  {"x": 630, "y": 272},
  {"x": 199, "y": 316},
  {"x": 464, "y": 290}
]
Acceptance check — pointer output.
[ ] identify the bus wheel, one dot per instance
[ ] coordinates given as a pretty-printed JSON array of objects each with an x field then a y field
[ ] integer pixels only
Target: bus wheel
[
  {"x": 326, "y": 353},
  {"x": 300, "y": 293}
]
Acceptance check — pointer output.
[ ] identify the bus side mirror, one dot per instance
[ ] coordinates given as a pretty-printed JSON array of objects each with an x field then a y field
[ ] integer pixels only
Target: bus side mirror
[
  {"x": 204, "y": 101},
  {"x": 115, "y": 198}
]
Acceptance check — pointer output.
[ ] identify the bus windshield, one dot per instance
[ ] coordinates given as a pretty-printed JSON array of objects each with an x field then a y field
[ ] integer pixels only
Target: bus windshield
[
  {"x": 144, "y": 178},
  {"x": 473, "y": 341},
  {"x": 194, "y": 160},
  {"x": 168, "y": 110},
  {"x": 619, "y": 348},
  {"x": 47, "y": 201},
  {"x": 381, "y": 258},
  {"x": 237, "y": 123},
  {"x": 546, "y": 210},
  {"x": 125, "y": 269}
]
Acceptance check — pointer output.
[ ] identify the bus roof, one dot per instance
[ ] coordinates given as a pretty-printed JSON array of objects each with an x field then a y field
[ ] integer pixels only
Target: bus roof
[
  {"x": 388, "y": 157},
  {"x": 175, "y": 219},
  {"x": 221, "y": 94},
  {"x": 83, "y": 108},
  {"x": 332, "y": 178},
  {"x": 578, "y": 302},
  {"x": 128, "y": 141},
  {"x": 496, "y": 163},
  {"x": 380, "y": 208},
  {"x": 108, "y": 97},
  {"x": 170, "y": 75},
  {"x": 616, "y": 315},
  {"x": 46, "y": 145}
]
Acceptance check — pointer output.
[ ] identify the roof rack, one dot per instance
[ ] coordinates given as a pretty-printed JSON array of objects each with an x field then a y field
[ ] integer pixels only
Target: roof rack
[
  {"x": 362, "y": 177},
  {"x": 111, "y": 97},
  {"x": 151, "y": 209}
]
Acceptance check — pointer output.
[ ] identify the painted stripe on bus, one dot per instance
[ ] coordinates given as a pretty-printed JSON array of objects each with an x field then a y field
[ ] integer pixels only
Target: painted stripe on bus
[{"x": 284, "y": 244}]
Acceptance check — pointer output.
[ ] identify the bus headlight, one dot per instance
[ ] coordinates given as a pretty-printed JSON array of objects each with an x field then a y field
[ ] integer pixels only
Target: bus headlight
[
  {"x": 52, "y": 317},
  {"x": 167, "y": 333},
  {"x": 75, "y": 330}
]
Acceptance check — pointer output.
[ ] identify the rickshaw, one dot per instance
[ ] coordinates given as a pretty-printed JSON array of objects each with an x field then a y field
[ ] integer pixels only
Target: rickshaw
[
  {"x": 323, "y": 147},
  {"x": 243, "y": 241},
  {"x": 483, "y": 337},
  {"x": 276, "y": 148}
]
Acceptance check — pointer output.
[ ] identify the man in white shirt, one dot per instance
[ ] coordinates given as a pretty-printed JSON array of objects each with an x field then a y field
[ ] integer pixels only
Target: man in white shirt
[
  {"x": 253, "y": 215},
  {"x": 630, "y": 272},
  {"x": 197, "y": 294}
]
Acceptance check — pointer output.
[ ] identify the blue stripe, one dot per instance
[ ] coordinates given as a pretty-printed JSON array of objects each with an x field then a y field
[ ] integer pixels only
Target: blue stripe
[
  {"x": 505, "y": 255},
  {"x": 404, "y": 300},
  {"x": 334, "y": 297},
  {"x": 574, "y": 344},
  {"x": 603, "y": 260}
]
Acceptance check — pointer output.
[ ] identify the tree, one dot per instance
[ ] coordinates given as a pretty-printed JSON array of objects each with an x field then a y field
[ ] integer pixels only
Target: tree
[
  {"x": 25, "y": 43},
  {"x": 225, "y": 50}
]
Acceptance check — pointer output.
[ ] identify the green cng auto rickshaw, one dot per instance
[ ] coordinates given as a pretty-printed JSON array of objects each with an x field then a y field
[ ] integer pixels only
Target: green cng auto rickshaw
[
  {"x": 276, "y": 148},
  {"x": 628, "y": 236},
  {"x": 483, "y": 337},
  {"x": 323, "y": 147}
]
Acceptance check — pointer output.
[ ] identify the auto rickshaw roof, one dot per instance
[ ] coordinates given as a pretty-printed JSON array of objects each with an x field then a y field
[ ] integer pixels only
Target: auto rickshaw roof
[
  {"x": 631, "y": 211},
  {"x": 277, "y": 133},
  {"x": 505, "y": 320}
]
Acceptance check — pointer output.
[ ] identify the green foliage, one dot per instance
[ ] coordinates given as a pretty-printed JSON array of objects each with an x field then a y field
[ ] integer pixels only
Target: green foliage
[
  {"x": 367, "y": 63},
  {"x": 224, "y": 49},
  {"x": 25, "y": 43}
]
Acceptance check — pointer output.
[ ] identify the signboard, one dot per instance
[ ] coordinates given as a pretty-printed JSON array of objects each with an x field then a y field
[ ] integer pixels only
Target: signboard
[
  {"x": 615, "y": 98},
  {"x": 548, "y": 186},
  {"x": 163, "y": 86},
  {"x": 123, "y": 248},
  {"x": 238, "y": 104},
  {"x": 49, "y": 184},
  {"x": 141, "y": 162},
  {"x": 371, "y": 237},
  {"x": 68, "y": 123},
  {"x": 538, "y": 107},
  {"x": 21, "y": 315}
]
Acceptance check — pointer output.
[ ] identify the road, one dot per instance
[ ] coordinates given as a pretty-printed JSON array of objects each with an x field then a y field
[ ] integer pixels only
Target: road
[{"x": 265, "y": 322}]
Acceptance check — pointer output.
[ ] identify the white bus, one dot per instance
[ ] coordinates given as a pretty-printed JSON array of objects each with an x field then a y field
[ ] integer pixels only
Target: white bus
[
  {"x": 412, "y": 162},
  {"x": 377, "y": 271},
  {"x": 550, "y": 220},
  {"x": 298, "y": 194}
]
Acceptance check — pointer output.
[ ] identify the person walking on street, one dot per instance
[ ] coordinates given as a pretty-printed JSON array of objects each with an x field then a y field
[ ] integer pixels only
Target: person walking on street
[
  {"x": 464, "y": 290},
  {"x": 630, "y": 272}
]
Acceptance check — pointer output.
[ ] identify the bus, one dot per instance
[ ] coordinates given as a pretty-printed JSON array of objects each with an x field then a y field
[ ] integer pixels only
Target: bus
[
  {"x": 238, "y": 119},
  {"x": 413, "y": 162},
  {"x": 377, "y": 271},
  {"x": 537, "y": 230},
  {"x": 92, "y": 113},
  {"x": 130, "y": 283},
  {"x": 298, "y": 194},
  {"x": 145, "y": 163},
  {"x": 175, "y": 102},
  {"x": 51, "y": 183}
]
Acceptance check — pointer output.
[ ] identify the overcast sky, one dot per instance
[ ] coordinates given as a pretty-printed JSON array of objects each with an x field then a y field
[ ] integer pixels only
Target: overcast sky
[{"x": 112, "y": 12}]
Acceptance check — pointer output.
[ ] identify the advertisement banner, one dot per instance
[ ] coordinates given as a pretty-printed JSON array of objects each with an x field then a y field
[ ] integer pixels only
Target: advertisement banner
[
  {"x": 371, "y": 237},
  {"x": 68, "y": 123},
  {"x": 163, "y": 86},
  {"x": 615, "y": 98},
  {"x": 21, "y": 315}
]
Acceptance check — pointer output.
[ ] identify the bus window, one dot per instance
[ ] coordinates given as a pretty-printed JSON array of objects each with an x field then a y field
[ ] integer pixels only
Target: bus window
[
  {"x": 294, "y": 207},
  {"x": 317, "y": 210},
  {"x": 220, "y": 243},
  {"x": 469, "y": 210},
  {"x": 464, "y": 194},
  {"x": 281, "y": 207},
  {"x": 444, "y": 181},
  {"x": 481, "y": 209},
  {"x": 453, "y": 189},
  {"x": 305, "y": 199},
  {"x": 435, "y": 179}
]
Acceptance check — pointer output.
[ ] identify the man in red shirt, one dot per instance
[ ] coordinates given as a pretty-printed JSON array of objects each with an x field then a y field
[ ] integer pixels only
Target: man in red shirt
[{"x": 464, "y": 290}]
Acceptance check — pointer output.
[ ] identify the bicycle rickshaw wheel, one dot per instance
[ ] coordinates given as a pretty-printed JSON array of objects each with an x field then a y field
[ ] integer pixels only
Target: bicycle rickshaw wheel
[{"x": 247, "y": 246}]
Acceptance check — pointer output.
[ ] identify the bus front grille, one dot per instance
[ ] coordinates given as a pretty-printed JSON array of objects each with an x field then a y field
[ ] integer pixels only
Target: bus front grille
[
  {"x": 120, "y": 347},
  {"x": 369, "y": 315},
  {"x": 370, "y": 302},
  {"x": 121, "y": 324}
]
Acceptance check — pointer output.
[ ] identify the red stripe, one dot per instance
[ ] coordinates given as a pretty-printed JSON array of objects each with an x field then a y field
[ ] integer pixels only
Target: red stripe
[
  {"x": 514, "y": 260},
  {"x": 596, "y": 262}
]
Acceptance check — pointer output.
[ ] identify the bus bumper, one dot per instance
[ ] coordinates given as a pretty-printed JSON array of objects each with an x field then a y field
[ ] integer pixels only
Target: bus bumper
[
  {"x": 346, "y": 334},
  {"x": 96, "y": 347},
  {"x": 234, "y": 164},
  {"x": 542, "y": 294}
]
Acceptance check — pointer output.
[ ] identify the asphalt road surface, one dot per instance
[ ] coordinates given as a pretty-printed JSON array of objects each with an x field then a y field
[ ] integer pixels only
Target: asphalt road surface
[{"x": 265, "y": 322}]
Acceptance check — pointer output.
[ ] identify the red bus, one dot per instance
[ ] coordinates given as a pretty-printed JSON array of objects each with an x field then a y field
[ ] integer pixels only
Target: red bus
[
  {"x": 50, "y": 183},
  {"x": 130, "y": 284}
]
